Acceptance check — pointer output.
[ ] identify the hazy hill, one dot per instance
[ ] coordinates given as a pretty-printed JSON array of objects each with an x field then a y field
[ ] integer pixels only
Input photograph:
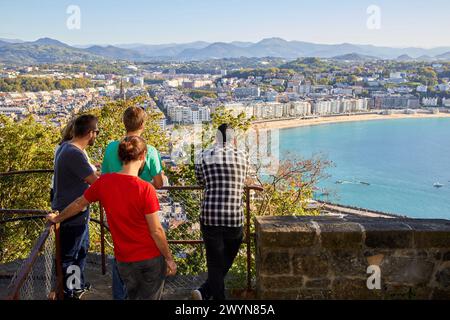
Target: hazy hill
[{"x": 47, "y": 50}]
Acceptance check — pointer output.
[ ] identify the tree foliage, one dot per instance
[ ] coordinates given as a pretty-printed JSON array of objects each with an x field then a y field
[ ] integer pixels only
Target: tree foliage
[{"x": 34, "y": 84}]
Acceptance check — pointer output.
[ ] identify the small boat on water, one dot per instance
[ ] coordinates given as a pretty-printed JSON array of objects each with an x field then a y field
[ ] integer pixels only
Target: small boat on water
[
  {"x": 352, "y": 182},
  {"x": 438, "y": 185}
]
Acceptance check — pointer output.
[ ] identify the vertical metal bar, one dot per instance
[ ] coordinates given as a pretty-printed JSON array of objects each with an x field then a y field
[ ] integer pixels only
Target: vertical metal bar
[
  {"x": 248, "y": 239},
  {"x": 102, "y": 240},
  {"x": 59, "y": 270}
]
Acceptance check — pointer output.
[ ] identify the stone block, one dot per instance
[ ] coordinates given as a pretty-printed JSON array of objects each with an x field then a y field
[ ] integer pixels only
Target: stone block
[
  {"x": 310, "y": 264},
  {"x": 275, "y": 263},
  {"x": 387, "y": 234},
  {"x": 300, "y": 294},
  {"x": 430, "y": 233},
  {"x": 353, "y": 289},
  {"x": 348, "y": 263},
  {"x": 280, "y": 282},
  {"x": 439, "y": 294},
  {"x": 340, "y": 234},
  {"x": 318, "y": 283},
  {"x": 443, "y": 278},
  {"x": 406, "y": 270},
  {"x": 446, "y": 256},
  {"x": 404, "y": 292},
  {"x": 287, "y": 232}
]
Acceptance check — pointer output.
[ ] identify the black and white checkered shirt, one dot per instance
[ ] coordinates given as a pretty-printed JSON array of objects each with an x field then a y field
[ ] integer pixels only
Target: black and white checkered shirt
[{"x": 222, "y": 171}]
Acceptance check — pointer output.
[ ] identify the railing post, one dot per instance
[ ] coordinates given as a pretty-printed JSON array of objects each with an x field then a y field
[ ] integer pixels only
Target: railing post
[
  {"x": 102, "y": 240},
  {"x": 248, "y": 239},
  {"x": 59, "y": 270}
]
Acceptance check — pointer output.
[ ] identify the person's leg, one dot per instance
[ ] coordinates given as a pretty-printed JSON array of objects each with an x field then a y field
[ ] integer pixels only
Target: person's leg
[
  {"x": 153, "y": 275},
  {"x": 144, "y": 279},
  {"x": 83, "y": 251},
  {"x": 69, "y": 240},
  {"x": 130, "y": 277},
  {"x": 118, "y": 286},
  {"x": 214, "y": 245},
  {"x": 232, "y": 242}
]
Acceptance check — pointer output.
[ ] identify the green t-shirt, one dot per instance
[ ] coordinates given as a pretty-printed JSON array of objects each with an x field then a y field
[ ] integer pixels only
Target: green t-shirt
[{"x": 112, "y": 164}]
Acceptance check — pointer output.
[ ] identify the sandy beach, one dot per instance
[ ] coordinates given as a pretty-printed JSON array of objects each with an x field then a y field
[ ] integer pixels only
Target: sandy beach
[{"x": 292, "y": 123}]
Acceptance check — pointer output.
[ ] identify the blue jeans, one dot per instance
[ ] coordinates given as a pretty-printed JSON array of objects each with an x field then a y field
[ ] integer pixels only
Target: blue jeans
[
  {"x": 118, "y": 286},
  {"x": 74, "y": 240}
]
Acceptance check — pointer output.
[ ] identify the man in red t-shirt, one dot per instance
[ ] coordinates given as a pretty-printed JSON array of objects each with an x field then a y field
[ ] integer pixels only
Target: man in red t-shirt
[{"x": 131, "y": 208}]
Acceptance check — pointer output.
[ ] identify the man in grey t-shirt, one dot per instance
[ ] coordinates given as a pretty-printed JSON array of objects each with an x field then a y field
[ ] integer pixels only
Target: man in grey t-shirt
[{"x": 72, "y": 176}]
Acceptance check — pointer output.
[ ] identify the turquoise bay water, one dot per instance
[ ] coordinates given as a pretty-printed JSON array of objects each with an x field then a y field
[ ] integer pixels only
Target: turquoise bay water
[{"x": 400, "y": 159}]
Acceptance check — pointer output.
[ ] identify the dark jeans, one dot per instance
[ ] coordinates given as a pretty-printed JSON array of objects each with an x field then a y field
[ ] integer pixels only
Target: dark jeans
[
  {"x": 222, "y": 245},
  {"x": 119, "y": 289},
  {"x": 144, "y": 280},
  {"x": 74, "y": 241}
]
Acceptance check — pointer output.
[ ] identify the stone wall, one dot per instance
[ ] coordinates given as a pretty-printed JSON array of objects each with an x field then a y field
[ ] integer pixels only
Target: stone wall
[{"x": 321, "y": 257}]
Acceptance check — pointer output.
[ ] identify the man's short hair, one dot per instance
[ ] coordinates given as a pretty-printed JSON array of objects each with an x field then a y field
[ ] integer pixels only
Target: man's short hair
[
  {"x": 134, "y": 118},
  {"x": 225, "y": 133},
  {"x": 84, "y": 124}
]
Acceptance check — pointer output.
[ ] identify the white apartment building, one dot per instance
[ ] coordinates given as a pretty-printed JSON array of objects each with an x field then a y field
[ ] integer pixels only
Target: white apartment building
[
  {"x": 430, "y": 102},
  {"x": 322, "y": 107},
  {"x": 341, "y": 105},
  {"x": 298, "y": 109},
  {"x": 446, "y": 102},
  {"x": 422, "y": 89},
  {"x": 175, "y": 113},
  {"x": 187, "y": 115}
]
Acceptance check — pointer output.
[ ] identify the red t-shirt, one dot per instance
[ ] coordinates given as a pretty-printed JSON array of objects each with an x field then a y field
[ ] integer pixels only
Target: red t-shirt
[{"x": 126, "y": 200}]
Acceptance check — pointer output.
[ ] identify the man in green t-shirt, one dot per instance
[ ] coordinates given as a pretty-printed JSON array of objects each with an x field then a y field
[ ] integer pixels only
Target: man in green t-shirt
[
  {"x": 134, "y": 121},
  {"x": 151, "y": 172}
]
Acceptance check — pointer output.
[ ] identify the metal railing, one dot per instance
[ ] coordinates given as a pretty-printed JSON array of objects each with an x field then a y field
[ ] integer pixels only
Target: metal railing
[
  {"x": 39, "y": 275},
  {"x": 180, "y": 209}
]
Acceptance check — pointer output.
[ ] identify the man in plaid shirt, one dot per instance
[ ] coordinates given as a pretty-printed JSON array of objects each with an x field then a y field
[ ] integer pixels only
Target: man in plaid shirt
[{"x": 222, "y": 170}]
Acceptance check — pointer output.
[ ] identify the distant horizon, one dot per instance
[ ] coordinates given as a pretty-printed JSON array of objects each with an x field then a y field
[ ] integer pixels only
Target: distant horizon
[
  {"x": 396, "y": 24},
  {"x": 212, "y": 42}
]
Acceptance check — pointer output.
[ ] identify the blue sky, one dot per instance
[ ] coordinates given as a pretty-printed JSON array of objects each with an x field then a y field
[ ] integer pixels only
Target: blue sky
[{"x": 403, "y": 23}]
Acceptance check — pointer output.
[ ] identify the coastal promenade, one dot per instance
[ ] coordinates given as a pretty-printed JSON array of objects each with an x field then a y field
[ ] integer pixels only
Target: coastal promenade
[{"x": 293, "y": 123}]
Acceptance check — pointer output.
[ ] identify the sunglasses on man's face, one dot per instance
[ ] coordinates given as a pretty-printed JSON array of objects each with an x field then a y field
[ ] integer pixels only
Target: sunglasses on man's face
[{"x": 96, "y": 131}]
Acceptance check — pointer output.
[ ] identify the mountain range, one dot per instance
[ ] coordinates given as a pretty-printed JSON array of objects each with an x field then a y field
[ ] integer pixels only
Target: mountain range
[{"x": 47, "y": 50}]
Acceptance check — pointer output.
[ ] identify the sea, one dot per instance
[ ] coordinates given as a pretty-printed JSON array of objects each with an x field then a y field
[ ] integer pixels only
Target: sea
[{"x": 399, "y": 166}]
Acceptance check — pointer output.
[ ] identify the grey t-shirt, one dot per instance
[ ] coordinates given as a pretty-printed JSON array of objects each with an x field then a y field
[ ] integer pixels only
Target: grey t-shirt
[{"x": 71, "y": 168}]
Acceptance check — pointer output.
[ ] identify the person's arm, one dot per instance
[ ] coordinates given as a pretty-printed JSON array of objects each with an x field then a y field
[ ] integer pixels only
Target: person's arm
[
  {"x": 73, "y": 209},
  {"x": 154, "y": 165},
  {"x": 158, "y": 180},
  {"x": 92, "y": 178},
  {"x": 92, "y": 194},
  {"x": 198, "y": 170},
  {"x": 159, "y": 236}
]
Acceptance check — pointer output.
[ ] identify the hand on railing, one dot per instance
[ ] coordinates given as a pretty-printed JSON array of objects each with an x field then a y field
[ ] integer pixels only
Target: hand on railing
[
  {"x": 171, "y": 267},
  {"x": 52, "y": 217}
]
